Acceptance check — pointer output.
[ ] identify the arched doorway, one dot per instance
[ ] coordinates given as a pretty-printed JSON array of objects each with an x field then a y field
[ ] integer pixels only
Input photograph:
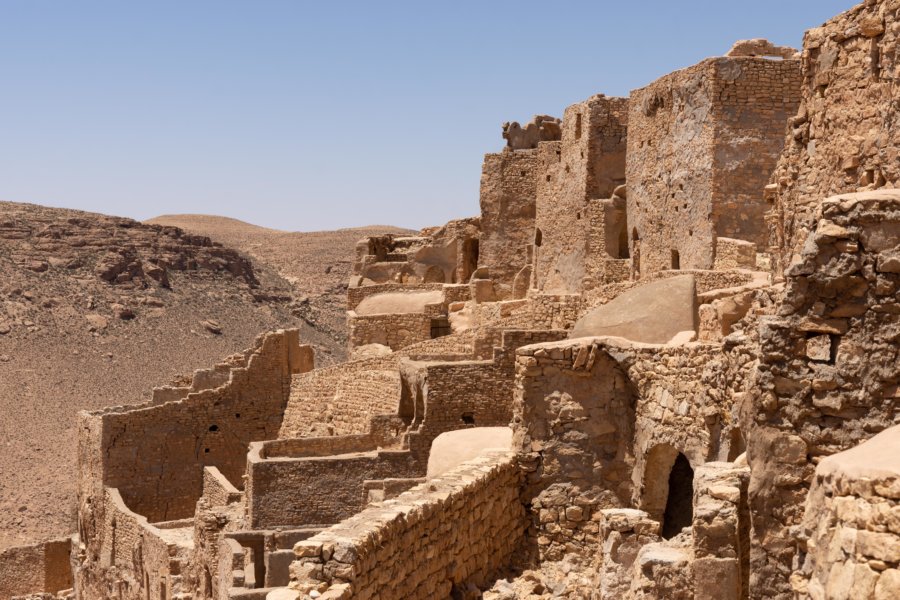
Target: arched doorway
[
  {"x": 668, "y": 489},
  {"x": 679, "y": 512}
]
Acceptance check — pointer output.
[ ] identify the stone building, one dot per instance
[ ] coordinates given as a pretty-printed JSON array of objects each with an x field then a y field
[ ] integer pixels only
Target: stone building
[
  {"x": 702, "y": 144},
  {"x": 595, "y": 390}
]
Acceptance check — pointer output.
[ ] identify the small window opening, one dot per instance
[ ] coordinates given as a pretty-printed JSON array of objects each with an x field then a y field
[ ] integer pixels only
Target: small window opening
[
  {"x": 468, "y": 418},
  {"x": 538, "y": 237},
  {"x": 440, "y": 327},
  {"x": 206, "y": 450},
  {"x": 578, "y": 216},
  {"x": 578, "y": 126},
  {"x": 524, "y": 173},
  {"x": 213, "y": 427},
  {"x": 548, "y": 178},
  {"x": 676, "y": 260},
  {"x": 237, "y": 415}
]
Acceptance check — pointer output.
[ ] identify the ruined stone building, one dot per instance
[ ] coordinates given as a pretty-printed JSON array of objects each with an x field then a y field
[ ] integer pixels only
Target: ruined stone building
[{"x": 662, "y": 364}]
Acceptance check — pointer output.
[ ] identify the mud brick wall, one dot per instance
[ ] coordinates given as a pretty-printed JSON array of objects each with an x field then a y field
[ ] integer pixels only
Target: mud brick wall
[
  {"x": 42, "y": 567},
  {"x": 217, "y": 490},
  {"x": 508, "y": 195},
  {"x": 829, "y": 369},
  {"x": 702, "y": 144},
  {"x": 844, "y": 136},
  {"x": 588, "y": 163},
  {"x": 755, "y": 97},
  {"x": 734, "y": 254},
  {"x": 395, "y": 331},
  {"x": 341, "y": 399},
  {"x": 155, "y": 454},
  {"x": 297, "y": 492},
  {"x": 429, "y": 542}
]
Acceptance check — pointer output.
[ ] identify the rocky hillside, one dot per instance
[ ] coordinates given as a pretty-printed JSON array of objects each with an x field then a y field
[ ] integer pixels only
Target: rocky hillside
[
  {"x": 96, "y": 310},
  {"x": 317, "y": 264}
]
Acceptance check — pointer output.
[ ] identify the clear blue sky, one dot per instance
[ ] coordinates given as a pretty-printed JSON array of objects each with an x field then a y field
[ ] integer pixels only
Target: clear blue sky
[{"x": 305, "y": 116}]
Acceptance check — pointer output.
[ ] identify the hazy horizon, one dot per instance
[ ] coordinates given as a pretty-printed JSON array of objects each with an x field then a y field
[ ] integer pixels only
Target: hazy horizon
[{"x": 307, "y": 117}]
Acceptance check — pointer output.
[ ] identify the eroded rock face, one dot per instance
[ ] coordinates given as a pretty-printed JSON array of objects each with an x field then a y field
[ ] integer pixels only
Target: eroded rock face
[
  {"x": 541, "y": 128},
  {"x": 828, "y": 373},
  {"x": 843, "y": 138},
  {"x": 116, "y": 250},
  {"x": 761, "y": 47}
]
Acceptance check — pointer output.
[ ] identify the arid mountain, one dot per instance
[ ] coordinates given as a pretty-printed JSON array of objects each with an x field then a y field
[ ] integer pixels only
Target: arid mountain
[
  {"x": 97, "y": 310},
  {"x": 317, "y": 264}
]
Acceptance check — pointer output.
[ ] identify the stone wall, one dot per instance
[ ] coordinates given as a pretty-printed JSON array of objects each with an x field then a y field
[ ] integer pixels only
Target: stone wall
[
  {"x": 154, "y": 454},
  {"x": 42, "y": 567},
  {"x": 828, "y": 372},
  {"x": 341, "y": 399},
  {"x": 508, "y": 195},
  {"x": 720, "y": 532},
  {"x": 844, "y": 136},
  {"x": 430, "y": 542},
  {"x": 702, "y": 144},
  {"x": 599, "y": 424},
  {"x": 129, "y": 558},
  {"x": 395, "y": 331},
  {"x": 317, "y": 490},
  {"x": 446, "y": 254},
  {"x": 587, "y": 164},
  {"x": 852, "y": 524}
]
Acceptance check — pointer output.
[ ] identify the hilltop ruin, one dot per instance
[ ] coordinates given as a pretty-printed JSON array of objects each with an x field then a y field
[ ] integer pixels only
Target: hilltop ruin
[{"x": 661, "y": 364}]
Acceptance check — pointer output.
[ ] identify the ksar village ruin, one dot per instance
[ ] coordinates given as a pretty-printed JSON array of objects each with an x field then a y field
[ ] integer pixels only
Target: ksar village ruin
[{"x": 662, "y": 363}]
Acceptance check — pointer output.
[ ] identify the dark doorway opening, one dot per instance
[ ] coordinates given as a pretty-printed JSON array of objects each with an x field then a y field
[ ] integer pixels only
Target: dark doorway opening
[
  {"x": 679, "y": 511},
  {"x": 440, "y": 327}
]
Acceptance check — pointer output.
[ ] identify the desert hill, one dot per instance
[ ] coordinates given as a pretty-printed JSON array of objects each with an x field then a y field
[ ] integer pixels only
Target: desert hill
[
  {"x": 316, "y": 264},
  {"x": 96, "y": 310}
]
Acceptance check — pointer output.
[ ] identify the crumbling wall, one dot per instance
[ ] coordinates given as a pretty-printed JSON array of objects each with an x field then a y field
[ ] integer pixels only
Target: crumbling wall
[
  {"x": 829, "y": 369},
  {"x": 128, "y": 557},
  {"x": 42, "y": 567},
  {"x": 430, "y": 542},
  {"x": 851, "y": 528},
  {"x": 154, "y": 454},
  {"x": 508, "y": 195},
  {"x": 587, "y": 164},
  {"x": 447, "y": 254},
  {"x": 599, "y": 423},
  {"x": 720, "y": 532},
  {"x": 284, "y": 491},
  {"x": 702, "y": 143},
  {"x": 844, "y": 136},
  {"x": 395, "y": 331},
  {"x": 341, "y": 399}
]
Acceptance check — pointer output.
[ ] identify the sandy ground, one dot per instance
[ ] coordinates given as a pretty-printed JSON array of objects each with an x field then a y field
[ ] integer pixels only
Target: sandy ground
[{"x": 71, "y": 340}]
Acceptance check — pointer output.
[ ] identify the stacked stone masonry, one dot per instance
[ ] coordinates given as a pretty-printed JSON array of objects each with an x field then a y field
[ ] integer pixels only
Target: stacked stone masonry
[{"x": 722, "y": 464}]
